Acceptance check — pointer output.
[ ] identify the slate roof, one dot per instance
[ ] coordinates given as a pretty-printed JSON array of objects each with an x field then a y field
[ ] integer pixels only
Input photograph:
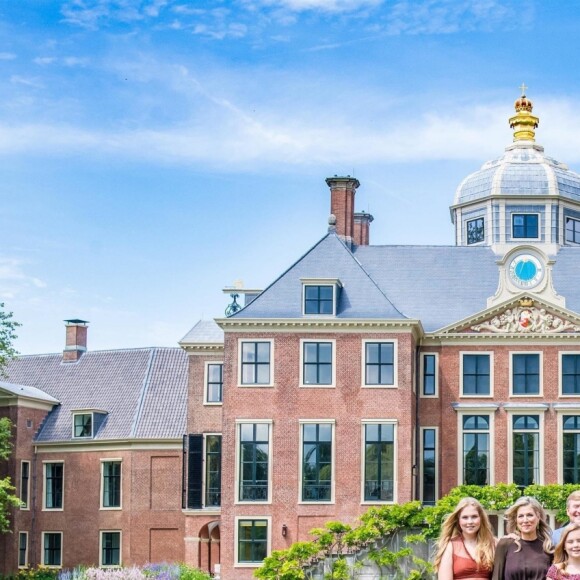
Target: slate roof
[
  {"x": 204, "y": 331},
  {"x": 144, "y": 391},
  {"x": 26, "y": 392}
]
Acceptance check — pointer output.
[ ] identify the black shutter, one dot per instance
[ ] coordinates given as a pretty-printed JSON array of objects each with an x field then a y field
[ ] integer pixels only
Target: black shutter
[{"x": 194, "y": 471}]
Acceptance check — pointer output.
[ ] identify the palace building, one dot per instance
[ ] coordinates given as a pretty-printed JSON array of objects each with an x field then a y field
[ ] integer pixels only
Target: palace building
[{"x": 362, "y": 375}]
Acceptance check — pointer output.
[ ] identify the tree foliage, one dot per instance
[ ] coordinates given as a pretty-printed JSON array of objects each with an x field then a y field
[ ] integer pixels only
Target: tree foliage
[{"x": 8, "y": 328}]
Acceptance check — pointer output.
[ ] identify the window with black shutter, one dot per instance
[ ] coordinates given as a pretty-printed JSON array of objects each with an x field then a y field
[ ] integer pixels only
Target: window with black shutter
[{"x": 194, "y": 471}]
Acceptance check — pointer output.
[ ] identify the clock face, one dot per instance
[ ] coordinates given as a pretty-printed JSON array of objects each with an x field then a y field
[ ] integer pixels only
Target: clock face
[{"x": 526, "y": 271}]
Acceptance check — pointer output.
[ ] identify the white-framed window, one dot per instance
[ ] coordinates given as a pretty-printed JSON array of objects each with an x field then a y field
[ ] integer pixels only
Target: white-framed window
[
  {"x": 52, "y": 549},
  {"x": 110, "y": 548},
  {"x": 256, "y": 367},
  {"x": 252, "y": 541},
  {"x": 572, "y": 230},
  {"x": 212, "y": 477},
  {"x": 316, "y": 461},
  {"x": 204, "y": 459},
  {"x": 317, "y": 363},
  {"x": 82, "y": 426},
  {"x": 525, "y": 225},
  {"x": 53, "y": 497},
  {"x": 111, "y": 484},
  {"x": 475, "y": 444},
  {"x": 379, "y": 461},
  {"x": 476, "y": 373},
  {"x": 525, "y": 443},
  {"x": 429, "y": 467},
  {"x": 25, "y": 485},
  {"x": 254, "y": 461},
  {"x": 429, "y": 375},
  {"x": 22, "y": 549},
  {"x": 320, "y": 296},
  {"x": 379, "y": 363},
  {"x": 526, "y": 371},
  {"x": 569, "y": 374},
  {"x": 569, "y": 444},
  {"x": 475, "y": 231},
  {"x": 214, "y": 383}
]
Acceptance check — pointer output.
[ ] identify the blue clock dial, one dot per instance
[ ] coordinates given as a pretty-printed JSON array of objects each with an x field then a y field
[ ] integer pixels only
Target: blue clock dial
[{"x": 525, "y": 270}]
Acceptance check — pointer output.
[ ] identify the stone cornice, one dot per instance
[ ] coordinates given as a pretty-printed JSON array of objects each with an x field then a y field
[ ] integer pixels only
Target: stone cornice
[
  {"x": 434, "y": 339},
  {"x": 202, "y": 348},
  {"x": 109, "y": 445}
]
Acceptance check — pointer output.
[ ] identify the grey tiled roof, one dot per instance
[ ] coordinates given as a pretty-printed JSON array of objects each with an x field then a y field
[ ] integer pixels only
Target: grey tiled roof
[
  {"x": 144, "y": 391},
  {"x": 360, "y": 296},
  {"x": 26, "y": 392},
  {"x": 206, "y": 332},
  {"x": 566, "y": 276}
]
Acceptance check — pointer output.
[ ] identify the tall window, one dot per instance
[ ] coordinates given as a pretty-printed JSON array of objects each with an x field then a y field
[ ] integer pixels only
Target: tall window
[
  {"x": 83, "y": 425},
  {"x": 255, "y": 363},
  {"x": 53, "y": 485},
  {"x": 213, "y": 470},
  {"x": 215, "y": 382},
  {"x": 110, "y": 548},
  {"x": 476, "y": 450},
  {"x": 571, "y": 454},
  {"x": 317, "y": 363},
  {"x": 111, "y": 484},
  {"x": 475, "y": 231},
  {"x": 316, "y": 462},
  {"x": 318, "y": 300},
  {"x": 525, "y": 225},
  {"x": 24, "y": 483},
  {"x": 526, "y": 374},
  {"x": 526, "y": 449},
  {"x": 476, "y": 374},
  {"x": 23, "y": 549},
  {"x": 429, "y": 376},
  {"x": 379, "y": 461},
  {"x": 429, "y": 466},
  {"x": 571, "y": 374},
  {"x": 52, "y": 549},
  {"x": 379, "y": 363},
  {"x": 252, "y": 540},
  {"x": 254, "y": 461},
  {"x": 572, "y": 230}
]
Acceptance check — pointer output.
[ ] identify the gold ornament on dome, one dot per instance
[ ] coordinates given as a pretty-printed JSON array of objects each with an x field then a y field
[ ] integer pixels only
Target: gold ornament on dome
[
  {"x": 523, "y": 122},
  {"x": 523, "y": 320}
]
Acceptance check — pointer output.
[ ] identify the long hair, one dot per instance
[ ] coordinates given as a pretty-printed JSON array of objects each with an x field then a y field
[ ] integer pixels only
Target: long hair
[
  {"x": 450, "y": 529},
  {"x": 544, "y": 531},
  {"x": 560, "y": 554}
]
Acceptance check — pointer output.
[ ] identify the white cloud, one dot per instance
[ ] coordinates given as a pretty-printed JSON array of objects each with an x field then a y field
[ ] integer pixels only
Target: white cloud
[
  {"x": 322, "y": 5},
  {"x": 14, "y": 280},
  {"x": 27, "y": 81},
  {"x": 44, "y": 60},
  {"x": 7, "y": 56}
]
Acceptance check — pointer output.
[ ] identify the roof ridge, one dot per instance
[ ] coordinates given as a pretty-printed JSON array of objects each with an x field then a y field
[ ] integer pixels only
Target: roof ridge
[{"x": 127, "y": 349}]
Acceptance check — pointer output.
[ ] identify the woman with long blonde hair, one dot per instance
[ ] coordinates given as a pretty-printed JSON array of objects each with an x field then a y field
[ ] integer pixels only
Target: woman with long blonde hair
[
  {"x": 466, "y": 544},
  {"x": 527, "y": 553},
  {"x": 566, "y": 564}
]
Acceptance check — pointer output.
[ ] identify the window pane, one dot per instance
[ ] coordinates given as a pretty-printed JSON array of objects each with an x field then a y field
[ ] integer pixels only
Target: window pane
[{"x": 264, "y": 352}]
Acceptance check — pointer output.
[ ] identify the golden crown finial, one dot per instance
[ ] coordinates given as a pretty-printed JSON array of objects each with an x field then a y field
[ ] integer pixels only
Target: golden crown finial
[{"x": 523, "y": 122}]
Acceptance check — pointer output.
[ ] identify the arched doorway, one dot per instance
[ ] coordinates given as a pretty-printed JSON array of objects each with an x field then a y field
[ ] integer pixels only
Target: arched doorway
[{"x": 209, "y": 548}]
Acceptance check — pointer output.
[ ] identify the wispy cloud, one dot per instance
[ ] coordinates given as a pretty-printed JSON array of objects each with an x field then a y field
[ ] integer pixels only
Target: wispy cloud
[
  {"x": 7, "y": 56},
  {"x": 13, "y": 279},
  {"x": 322, "y": 5}
]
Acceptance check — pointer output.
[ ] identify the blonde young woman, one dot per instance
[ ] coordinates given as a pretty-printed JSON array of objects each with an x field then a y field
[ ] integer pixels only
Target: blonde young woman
[
  {"x": 566, "y": 564},
  {"x": 466, "y": 544},
  {"x": 529, "y": 555}
]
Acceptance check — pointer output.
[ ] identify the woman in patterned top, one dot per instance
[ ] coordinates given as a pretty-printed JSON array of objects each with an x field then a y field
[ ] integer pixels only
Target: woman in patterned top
[{"x": 567, "y": 555}]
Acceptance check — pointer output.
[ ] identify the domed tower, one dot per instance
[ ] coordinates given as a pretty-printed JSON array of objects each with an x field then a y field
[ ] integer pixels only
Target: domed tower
[{"x": 523, "y": 197}]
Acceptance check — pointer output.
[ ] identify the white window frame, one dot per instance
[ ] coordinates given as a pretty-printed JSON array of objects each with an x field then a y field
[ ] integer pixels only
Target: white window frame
[
  {"x": 120, "y": 564},
  {"x": 268, "y": 519},
  {"x": 363, "y": 359},
  {"x": 44, "y": 464},
  {"x": 26, "y": 553},
  {"x": 511, "y": 373},
  {"x": 533, "y": 409},
  {"x": 78, "y": 413},
  {"x": 206, "y": 400},
  {"x": 561, "y": 373},
  {"x": 467, "y": 221},
  {"x": 436, "y": 429},
  {"x": 422, "y": 375},
  {"x": 395, "y": 424},
  {"x": 512, "y": 213},
  {"x": 489, "y": 353},
  {"x": 102, "y": 486},
  {"x": 565, "y": 218},
  {"x": 561, "y": 410},
  {"x": 270, "y": 384},
  {"x": 475, "y": 410},
  {"x": 52, "y": 566},
  {"x": 239, "y": 423},
  {"x": 330, "y": 341},
  {"x": 336, "y": 285},
  {"x": 332, "y": 423},
  {"x": 27, "y": 506},
  {"x": 204, "y": 470}
]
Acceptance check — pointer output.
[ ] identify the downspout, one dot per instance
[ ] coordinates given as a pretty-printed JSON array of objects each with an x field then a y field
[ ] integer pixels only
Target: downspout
[
  {"x": 416, "y": 470},
  {"x": 32, "y": 554}
]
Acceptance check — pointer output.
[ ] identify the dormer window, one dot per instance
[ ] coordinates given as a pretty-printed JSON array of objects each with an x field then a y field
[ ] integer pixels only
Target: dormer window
[
  {"x": 475, "y": 231},
  {"x": 572, "y": 230},
  {"x": 525, "y": 225},
  {"x": 320, "y": 296},
  {"x": 83, "y": 425}
]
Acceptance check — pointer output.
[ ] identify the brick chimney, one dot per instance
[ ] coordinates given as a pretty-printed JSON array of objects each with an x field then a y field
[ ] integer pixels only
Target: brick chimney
[
  {"x": 342, "y": 192},
  {"x": 76, "y": 340},
  {"x": 362, "y": 224}
]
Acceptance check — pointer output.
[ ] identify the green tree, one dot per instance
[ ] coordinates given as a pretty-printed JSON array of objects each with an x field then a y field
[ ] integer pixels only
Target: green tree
[{"x": 8, "y": 328}]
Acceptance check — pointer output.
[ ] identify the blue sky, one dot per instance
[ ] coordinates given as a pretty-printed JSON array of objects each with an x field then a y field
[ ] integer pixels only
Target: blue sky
[{"x": 153, "y": 152}]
